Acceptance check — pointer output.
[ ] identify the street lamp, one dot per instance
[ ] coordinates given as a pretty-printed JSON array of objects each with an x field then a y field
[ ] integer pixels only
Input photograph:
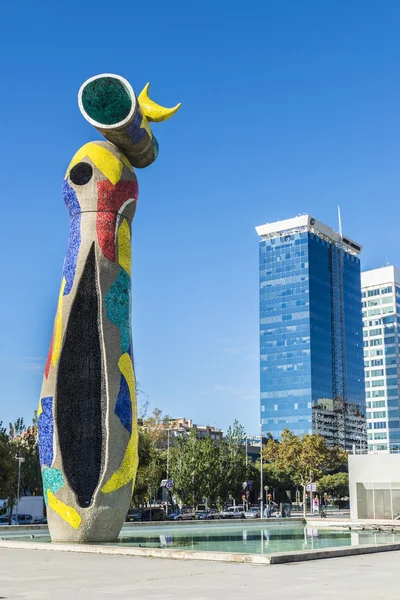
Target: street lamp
[
  {"x": 20, "y": 460},
  {"x": 166, "y": 504}
]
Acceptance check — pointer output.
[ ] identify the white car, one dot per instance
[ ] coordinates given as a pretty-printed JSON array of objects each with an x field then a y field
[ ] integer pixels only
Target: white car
[
  {"x": 252, "y": 513},
  {"x": 233, "y": 512}
]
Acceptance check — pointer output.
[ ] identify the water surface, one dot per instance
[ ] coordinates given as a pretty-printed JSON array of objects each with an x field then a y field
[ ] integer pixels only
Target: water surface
[{"x": 255, "y": 538}]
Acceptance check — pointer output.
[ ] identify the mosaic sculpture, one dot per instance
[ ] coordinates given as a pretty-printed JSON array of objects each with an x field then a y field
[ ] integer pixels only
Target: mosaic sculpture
[{"x": 87, "y": 411}]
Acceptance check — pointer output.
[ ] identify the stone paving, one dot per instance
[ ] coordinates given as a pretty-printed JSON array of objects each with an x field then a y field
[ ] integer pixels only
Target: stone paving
[{"x": 41, "y": 575}]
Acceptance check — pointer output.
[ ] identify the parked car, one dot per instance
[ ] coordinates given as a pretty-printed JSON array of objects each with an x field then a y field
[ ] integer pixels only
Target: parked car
[
  {"x": 4, "y": 520},
  {"x": 154, "y": 514},
  {"x": 22, "y": 519},
  {"x": 252, "y": 513},
  {"x": 182, "y": 515},
  {"x": 134, "y": 514},
  {"x": 209, "y": 514},
  {"x": 175, "y": 516},
  {"x": 40, "y": 521},
  {"x": 188, "y": 515},
  {"x": 215, "y": 514},
  {"x": 202, "y": 515},
  {"x": 233, "y": 512}
]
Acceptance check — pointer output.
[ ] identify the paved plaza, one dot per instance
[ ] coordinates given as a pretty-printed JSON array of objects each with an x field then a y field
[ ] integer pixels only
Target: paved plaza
[{"x": 69, "y": 576}]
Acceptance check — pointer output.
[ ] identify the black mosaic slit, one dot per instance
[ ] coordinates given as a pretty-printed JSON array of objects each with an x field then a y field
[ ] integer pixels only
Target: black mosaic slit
[{"x": 78, "y": 399}]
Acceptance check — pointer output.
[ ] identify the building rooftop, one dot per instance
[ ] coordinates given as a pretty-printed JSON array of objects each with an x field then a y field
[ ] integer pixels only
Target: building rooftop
[
  {"x": 307, "y": 223},
  {"x": 181, "y": 424},
  {"x": 388, "y": 274}
]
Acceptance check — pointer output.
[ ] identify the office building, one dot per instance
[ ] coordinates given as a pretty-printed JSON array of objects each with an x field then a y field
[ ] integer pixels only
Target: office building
[
  {"x": 381, "y": 320},
  {"x": 311, "y": 351}
]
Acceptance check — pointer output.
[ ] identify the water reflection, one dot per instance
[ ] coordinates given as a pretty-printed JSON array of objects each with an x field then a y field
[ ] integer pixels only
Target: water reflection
[
  {"x": 253, "y": 540},
  {"x": 248, "y": 539}
]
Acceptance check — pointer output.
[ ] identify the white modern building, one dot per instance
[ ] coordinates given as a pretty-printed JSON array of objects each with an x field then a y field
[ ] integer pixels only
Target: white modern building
[
  {"x": 374, "y": 486},
  {"x": 381, "y": 323}
]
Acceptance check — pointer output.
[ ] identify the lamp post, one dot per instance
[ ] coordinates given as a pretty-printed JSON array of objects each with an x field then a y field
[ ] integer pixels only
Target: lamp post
[
  {"x": 20, "y": 460},
  {"x": 166, "y": 505},
  {"x": 261, "y": 474}
]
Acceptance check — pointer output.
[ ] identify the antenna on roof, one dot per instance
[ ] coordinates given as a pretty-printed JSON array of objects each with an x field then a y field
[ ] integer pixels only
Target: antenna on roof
[{"x": 340, "y": 222}]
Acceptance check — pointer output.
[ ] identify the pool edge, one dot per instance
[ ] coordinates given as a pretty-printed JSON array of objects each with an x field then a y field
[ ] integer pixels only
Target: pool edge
[
  {"x": 234, "y": 557},
  {"x": 335, "y": 552},
  {"x": 231, "y": 557}
]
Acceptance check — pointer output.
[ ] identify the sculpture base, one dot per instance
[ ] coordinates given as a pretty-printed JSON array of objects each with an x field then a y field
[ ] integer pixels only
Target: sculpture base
[{"x": 99, "y": 525}]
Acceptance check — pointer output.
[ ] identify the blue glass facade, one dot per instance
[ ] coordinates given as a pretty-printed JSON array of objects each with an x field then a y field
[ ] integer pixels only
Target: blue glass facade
[{"x": 297, "y": 332}]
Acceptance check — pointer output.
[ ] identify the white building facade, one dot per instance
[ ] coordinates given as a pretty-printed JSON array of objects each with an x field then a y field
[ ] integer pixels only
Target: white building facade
[
  {"x": 381, "y": 323},
  {"x": 374, "y": 486}
]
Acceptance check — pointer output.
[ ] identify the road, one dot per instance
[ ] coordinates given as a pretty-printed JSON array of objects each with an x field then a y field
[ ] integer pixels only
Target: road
[{"x": 43, "y": 575}]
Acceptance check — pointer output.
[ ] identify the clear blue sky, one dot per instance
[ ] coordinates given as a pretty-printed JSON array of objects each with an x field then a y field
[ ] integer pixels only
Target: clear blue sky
[{"x": 287, "y": 107}]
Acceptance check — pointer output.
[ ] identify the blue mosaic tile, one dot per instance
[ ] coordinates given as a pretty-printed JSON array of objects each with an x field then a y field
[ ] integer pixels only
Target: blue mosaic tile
[
  {"x": 135, "y": 132},
  {"x": 74, "y": 241},
  {"x": 46, "y": 432},
  {"x": 123, "y": 407}
]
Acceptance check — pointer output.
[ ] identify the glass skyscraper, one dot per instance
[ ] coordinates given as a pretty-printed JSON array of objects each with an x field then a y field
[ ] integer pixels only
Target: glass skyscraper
[
  {"x": 381, "y": 318},
  {"x": 311, "y": 349}
]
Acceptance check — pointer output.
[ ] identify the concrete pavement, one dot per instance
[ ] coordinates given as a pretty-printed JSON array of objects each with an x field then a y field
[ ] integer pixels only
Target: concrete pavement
[{"x": 38, "y": 575}]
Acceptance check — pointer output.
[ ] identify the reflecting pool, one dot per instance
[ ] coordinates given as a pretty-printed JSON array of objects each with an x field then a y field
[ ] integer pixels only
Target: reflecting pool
[{"x": 261, "y": 538}]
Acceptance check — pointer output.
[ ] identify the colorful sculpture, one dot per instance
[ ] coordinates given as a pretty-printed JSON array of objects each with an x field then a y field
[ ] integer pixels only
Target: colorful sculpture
[{"x": 87, "y": 411}]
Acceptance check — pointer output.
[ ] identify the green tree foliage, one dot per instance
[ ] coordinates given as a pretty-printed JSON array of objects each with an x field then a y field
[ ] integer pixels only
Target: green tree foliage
[
  {"x": 19, "y": 441},
  {"x": 25, "y": 444},
  {"x": 277, "y": 478},
  {"x": 236, "y": 463},
  {"x": 306, "y": 458},
  {"x": 208, "y": 470},
  {"x": 8, "y": 471},
  {"x": 186, "y": 468},
  {"x": 202, "y": 469},
  {"x": 153, "y": 443},
  {"x": 336, "y": 485}
]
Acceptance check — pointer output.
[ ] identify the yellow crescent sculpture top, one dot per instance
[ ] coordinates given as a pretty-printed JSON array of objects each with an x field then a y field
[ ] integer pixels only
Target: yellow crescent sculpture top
[{"x": 153, "y": 111}]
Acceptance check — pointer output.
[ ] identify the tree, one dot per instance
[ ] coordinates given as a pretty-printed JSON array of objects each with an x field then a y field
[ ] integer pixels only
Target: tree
[
  {"x": 306, "y": 458},
  {"x": 25, "y": 444},
  {"x": 207, "y": 470},
  {"x": 8, "y": 472},
  {"x": 19, "y": 442},
  {"x": 186, "y": 468},
  {"x": 336, "y": 485},
  {"x": 152, "y": 448},
  {"x": 143, "y": 481},
  {"x": 201, "y": 468},
  {"x": 204, "y": 470},
  {"x": 157, "y": 428},
  {"x": 232, "y": 461}
]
